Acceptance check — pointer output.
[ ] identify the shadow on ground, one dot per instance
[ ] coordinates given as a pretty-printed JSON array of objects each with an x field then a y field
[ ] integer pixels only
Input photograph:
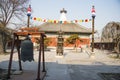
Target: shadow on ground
[{"x": 60, "y": 71}]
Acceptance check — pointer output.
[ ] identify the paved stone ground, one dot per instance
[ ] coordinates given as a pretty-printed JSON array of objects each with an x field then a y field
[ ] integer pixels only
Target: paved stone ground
[{"x": 71, "y": 66}]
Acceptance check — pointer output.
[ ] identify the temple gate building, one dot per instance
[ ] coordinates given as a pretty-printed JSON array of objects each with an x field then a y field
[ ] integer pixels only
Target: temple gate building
[{"x": 52, "y": 29}]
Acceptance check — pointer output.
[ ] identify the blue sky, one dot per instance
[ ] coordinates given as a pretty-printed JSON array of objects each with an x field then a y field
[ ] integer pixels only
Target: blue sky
[{"x": 106, "y": 10}]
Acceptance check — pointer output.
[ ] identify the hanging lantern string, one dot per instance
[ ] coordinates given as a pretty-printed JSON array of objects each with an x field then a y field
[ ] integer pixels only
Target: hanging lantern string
[{"x": 57, "y": 21}]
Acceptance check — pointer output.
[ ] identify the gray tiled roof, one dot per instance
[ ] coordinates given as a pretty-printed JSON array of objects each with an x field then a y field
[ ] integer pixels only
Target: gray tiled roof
[{"x": 68, "y": 27}]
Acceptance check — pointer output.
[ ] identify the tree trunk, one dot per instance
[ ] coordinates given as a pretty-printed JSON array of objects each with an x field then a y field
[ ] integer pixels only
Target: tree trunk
[
  {"x": 118, "y": 49},
  {"x": 3, "y": 41},
  {"x": 1, "y": 45}
]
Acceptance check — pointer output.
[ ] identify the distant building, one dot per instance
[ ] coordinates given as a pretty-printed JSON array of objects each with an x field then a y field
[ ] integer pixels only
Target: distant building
[{"x": 51, "y": 30}]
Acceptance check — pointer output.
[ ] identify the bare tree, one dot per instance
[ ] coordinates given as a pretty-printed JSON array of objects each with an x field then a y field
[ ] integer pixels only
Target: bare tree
[
  {"x": 111, "y": 33},
  {"x": 10, "y": 9}
]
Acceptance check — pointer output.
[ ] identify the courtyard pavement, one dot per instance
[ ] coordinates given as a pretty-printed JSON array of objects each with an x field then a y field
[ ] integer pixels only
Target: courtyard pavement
[{"x": 73, "y": 65}]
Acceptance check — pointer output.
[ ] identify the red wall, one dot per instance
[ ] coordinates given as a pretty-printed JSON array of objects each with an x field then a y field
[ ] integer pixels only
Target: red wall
[{"x": 82, "y": 41}]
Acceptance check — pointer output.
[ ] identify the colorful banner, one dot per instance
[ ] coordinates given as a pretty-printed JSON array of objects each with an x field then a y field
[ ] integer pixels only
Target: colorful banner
[{"x": 57, "y": 21}]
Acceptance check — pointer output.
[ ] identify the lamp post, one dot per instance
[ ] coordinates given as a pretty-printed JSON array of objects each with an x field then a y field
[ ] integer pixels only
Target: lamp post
[
  {"x": 93, "y": 18},
  {"x": 28, "y": 14}
]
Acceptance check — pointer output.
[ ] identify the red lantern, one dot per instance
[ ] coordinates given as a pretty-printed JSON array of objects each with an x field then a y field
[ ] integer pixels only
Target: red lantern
[
  {"x": 54, "y": 21},
  {"x": 76, "y": 21},
  {"x": 34, "y": 18},
  {"x": 86, "y": 20},
  {"x": 44, "y": 20}
]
